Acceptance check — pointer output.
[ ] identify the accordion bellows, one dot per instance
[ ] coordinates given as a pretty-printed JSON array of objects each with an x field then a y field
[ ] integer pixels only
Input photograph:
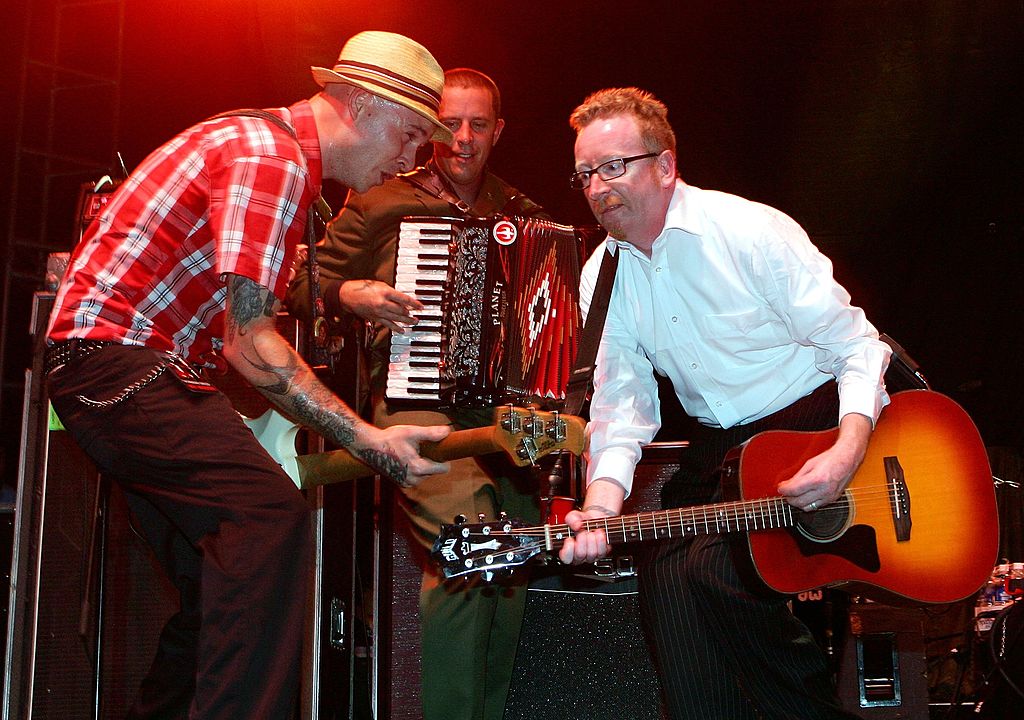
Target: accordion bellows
[{"x": 501, "y": 321}]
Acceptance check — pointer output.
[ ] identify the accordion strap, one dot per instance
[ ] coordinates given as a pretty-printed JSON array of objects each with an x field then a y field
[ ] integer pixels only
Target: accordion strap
[
  {"x": 436, "y": 188},
  {"x": 582, "y": 374}
]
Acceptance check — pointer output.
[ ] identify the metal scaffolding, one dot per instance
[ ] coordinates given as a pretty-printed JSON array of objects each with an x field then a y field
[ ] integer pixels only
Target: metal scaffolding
[{"x": 66, "y": 134}]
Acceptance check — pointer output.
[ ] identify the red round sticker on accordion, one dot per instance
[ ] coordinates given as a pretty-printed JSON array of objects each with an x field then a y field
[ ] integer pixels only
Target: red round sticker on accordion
[{"x": 504, "y": 232}]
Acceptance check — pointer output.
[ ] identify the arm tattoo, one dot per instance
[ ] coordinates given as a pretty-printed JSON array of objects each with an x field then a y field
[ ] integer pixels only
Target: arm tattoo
[
  {"x": 249, "y": 301},
  {"x": 285, "y": 374},
  {"x": 388, "y": 465},
  {"x": 310, "y": 410},
  {"x": 290, "y": 384},
  {"x": 308, "y": 402},
  {"x": 302, "y": 396}
]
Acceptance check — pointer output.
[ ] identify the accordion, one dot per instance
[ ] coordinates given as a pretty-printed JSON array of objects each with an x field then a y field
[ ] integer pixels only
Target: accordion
[{"x": 501, "y": 317}]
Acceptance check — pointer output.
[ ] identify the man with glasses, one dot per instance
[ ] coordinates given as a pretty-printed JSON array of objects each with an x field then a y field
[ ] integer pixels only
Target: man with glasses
[
  {"x": 731, "y": 302},
  {"x": 469, "y": 629}
]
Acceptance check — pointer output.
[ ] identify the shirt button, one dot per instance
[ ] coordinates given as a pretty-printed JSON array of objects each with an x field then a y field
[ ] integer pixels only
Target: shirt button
[
  {"x": 675, "y": 319},
  {"x": 657, "y": 269},
  {"x": 718, "y": 404},
  {"x": 693, "y": 365}
]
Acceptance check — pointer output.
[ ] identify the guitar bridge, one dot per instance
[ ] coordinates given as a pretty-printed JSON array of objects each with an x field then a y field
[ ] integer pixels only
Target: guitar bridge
[{"x": 899, "y": 498}]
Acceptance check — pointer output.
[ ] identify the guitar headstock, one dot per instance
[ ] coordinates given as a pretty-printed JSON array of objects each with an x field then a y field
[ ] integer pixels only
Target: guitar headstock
[
  {"x": 527, "y": 435},
  {"x": 463, "y": 549}
]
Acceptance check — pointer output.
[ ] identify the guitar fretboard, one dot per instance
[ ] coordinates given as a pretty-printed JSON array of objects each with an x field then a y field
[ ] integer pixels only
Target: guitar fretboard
[{"x": 764, "y": 514}]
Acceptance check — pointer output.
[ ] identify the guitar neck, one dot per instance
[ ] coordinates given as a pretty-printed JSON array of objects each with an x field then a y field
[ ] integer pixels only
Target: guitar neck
[
  {"x": 341, "y": 465},
  {"x": 713, "y": 519}
]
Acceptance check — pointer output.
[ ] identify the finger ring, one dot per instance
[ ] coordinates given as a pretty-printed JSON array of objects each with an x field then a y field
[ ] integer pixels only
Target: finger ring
[{"x": 813, "y": 506}]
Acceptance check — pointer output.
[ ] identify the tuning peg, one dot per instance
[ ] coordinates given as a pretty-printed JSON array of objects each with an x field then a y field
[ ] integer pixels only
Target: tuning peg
[
  {"x": 503, "y": 516},
  {"x": 460, "y": 519},
  {"x": 511, "y": 421},
  {"x": 556, "y": 429},
  {"x": 527, "y": 450},
  {"x": 532, "y": 425},
  {"x": 480, "y": 517}
]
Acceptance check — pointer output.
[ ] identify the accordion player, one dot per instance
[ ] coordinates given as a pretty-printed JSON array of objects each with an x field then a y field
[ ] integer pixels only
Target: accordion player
[{"x": 501, "y": 318}]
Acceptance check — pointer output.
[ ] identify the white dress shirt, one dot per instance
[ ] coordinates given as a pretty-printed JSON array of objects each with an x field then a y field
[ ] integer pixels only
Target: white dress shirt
[{"x": 738, "y": 310}]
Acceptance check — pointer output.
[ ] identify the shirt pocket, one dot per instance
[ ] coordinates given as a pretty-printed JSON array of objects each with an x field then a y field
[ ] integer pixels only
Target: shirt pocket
[{"x": 751, "y": 330}]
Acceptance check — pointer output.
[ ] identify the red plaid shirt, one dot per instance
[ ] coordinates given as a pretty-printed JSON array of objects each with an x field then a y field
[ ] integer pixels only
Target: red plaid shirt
[{"x": 229, "y": 195}]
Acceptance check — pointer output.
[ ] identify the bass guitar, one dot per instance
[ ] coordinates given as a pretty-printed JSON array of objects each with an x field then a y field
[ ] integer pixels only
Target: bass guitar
[
  {"x": 524, "y": 435},
  {"x": 917, "y": 523}
]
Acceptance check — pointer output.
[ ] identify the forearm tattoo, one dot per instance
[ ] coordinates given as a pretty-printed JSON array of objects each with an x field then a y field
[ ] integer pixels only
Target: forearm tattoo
[
  {"x": 387, "y": 464},
  {"x": 310, "y": 408},
  {"x": 291, "y": 385},
  {"x": 307, "y": 401}
]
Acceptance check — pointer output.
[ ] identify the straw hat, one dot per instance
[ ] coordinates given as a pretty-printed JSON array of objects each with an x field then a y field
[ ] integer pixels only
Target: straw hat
[{"x": 394, "y": 67}]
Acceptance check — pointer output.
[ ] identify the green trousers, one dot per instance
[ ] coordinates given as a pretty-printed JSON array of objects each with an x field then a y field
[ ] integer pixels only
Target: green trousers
[{"x": 469, "y": 629}]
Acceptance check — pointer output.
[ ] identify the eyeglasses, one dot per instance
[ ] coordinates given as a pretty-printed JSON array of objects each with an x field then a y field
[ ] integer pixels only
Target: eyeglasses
[{"x": 606, "y": 171}]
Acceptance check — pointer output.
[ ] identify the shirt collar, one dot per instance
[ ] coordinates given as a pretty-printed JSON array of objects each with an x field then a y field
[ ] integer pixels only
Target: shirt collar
[
  {"x": 489, "y": 200},
  {"x": 683, "y": 214}
]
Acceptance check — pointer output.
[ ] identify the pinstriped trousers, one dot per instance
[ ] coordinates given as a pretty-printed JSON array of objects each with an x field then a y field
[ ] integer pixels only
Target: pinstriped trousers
[{"x": 726, "y": 647}]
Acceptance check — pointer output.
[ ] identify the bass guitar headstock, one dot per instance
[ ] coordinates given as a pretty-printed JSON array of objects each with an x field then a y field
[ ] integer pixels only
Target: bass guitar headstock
[{"x": 527, "y": 435}]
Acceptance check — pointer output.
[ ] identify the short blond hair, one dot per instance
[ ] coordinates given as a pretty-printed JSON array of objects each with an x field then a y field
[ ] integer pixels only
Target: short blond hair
[
  {"x": 470, "y": 78},
  {"x": 650, "y": 113}
]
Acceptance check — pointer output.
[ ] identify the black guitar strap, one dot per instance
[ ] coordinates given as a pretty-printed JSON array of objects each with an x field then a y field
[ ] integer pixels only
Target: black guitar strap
[
  {"x": 440, "y": 190},
  {"x": 582, "y": 375},
  {"x": 581, "y": 379}
]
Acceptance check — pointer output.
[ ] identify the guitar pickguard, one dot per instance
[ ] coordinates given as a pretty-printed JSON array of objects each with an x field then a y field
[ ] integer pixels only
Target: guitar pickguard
[{"x": 857, "y": 545}]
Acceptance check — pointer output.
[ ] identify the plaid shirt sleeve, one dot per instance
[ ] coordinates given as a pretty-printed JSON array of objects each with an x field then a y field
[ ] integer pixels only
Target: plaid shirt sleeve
[{"x": 257, "y": 215}]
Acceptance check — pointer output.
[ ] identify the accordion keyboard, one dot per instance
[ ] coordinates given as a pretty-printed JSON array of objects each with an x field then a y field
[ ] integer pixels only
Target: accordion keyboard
[
  {"x": 501, "y": 311},
  {"x": 424, "y": 254}
]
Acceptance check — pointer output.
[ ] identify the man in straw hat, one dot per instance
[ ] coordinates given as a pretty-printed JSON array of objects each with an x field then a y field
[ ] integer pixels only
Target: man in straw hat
[
  {"x": 469, "y": 631},
  {"x": 185, "y": 268}
]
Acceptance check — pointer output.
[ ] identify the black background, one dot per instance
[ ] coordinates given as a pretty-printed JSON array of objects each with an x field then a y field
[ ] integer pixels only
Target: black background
[{"x": 892, "y": 131}]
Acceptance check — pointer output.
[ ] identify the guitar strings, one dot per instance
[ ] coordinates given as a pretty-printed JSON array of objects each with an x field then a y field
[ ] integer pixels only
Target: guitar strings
[{"x": 733, "y": 516}]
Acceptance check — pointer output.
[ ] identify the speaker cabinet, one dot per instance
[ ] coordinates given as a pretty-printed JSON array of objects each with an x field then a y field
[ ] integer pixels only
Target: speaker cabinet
[
  {"x": 883, "y": 670},
  {"x": 584, "y": 622},
  {"x": 582, "y": 657},
  {"x": 397, "y": 632},
  {"x": 361, "y": 659},
  {"x": 336, "y": 652},
  {"x": 86, "y": 600}
]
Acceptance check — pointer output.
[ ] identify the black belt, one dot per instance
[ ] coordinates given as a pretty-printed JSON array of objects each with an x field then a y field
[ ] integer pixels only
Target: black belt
[{"x": 61, "y": 353}]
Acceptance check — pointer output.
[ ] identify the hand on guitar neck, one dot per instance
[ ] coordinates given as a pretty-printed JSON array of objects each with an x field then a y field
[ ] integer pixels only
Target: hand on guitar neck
[
  {"x": 604, "y": 499},
  {"x": 819, "y": 481},
  {"x": 523, "y": 435},
  {"x": 254, "y": 348}
]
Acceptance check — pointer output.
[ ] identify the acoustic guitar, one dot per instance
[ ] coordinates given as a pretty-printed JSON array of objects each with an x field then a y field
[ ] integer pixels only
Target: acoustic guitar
[{"x": 917, "y": 522}]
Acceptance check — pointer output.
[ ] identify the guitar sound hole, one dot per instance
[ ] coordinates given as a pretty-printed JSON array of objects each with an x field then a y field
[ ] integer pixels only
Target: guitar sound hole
[{"x": 827, "y": 523}]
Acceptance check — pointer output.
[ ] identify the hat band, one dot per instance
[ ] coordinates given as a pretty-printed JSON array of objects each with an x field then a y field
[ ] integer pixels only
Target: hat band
[{"x": 386, "y": 79}]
